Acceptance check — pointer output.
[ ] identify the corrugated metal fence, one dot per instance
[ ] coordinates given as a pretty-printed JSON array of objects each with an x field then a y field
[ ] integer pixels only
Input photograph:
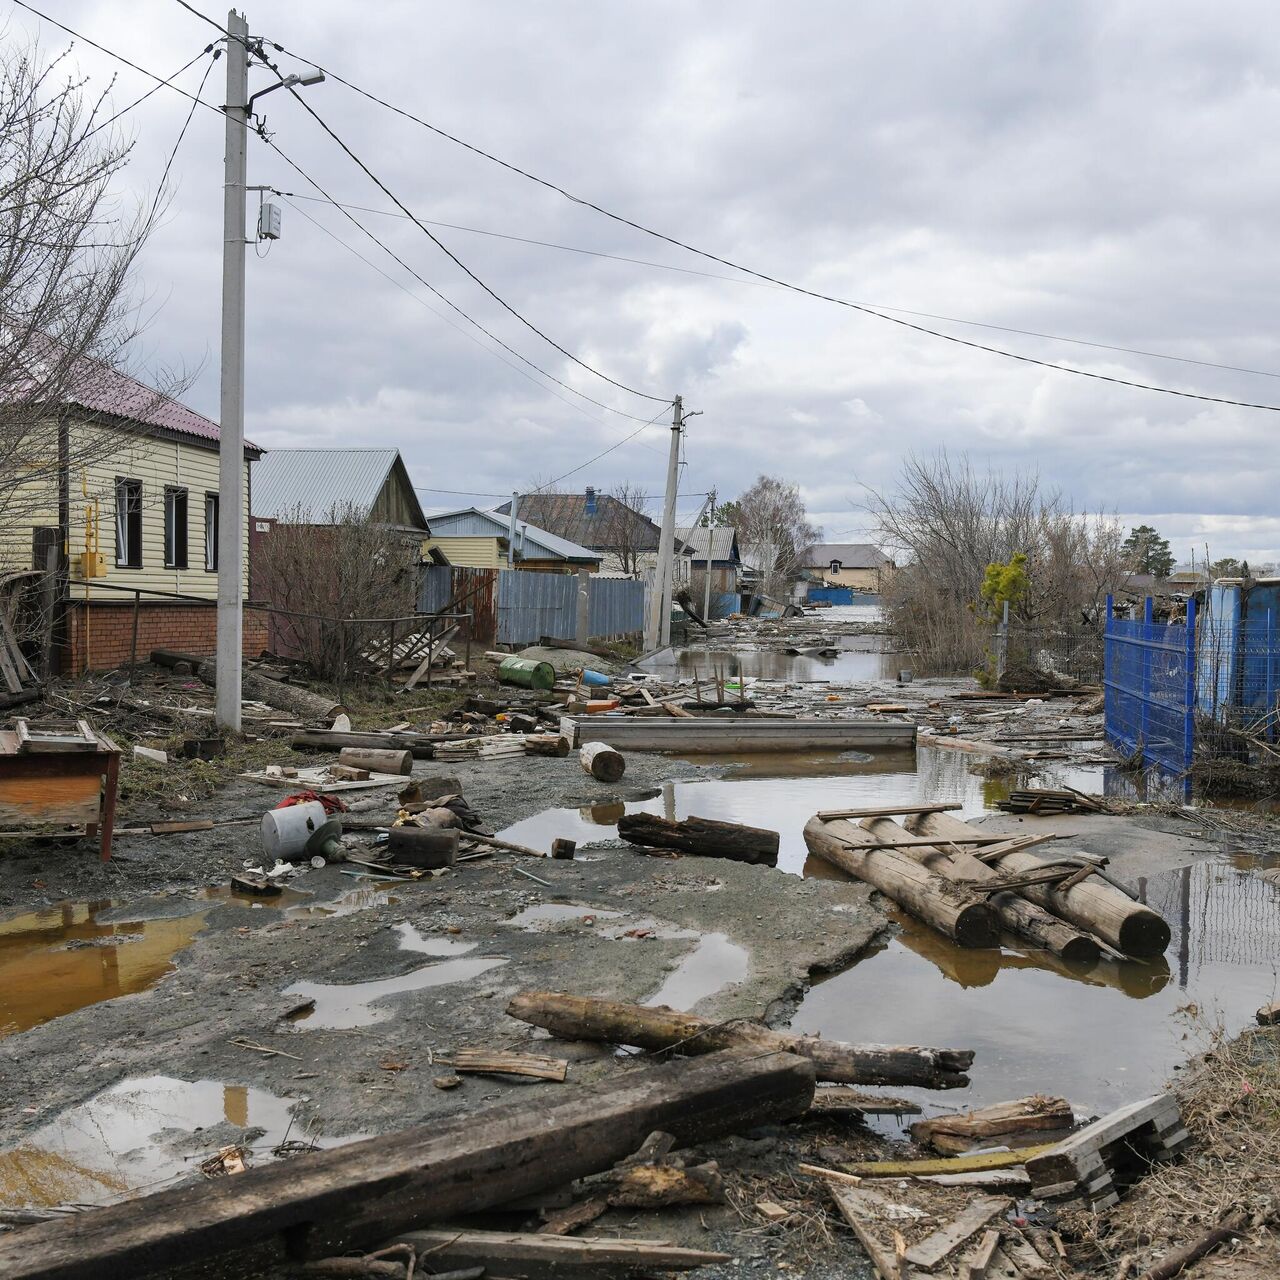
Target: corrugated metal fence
[{"x": 512, "y": 606}]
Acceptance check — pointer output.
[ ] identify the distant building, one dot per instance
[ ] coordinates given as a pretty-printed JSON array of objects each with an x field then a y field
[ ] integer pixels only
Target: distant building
[
  {"x": 478, "y": 539},
  {"x": 625, "y": 540},
  {"x": 860, "y": 565},
  {"x": 726, "y": 567}
]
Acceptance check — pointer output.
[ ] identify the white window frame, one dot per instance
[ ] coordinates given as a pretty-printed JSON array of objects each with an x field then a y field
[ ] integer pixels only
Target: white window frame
[{"x": 212, "y": 517}]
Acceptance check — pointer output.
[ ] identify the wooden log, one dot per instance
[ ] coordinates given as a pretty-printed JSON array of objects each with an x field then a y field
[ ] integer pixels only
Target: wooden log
[
  {"x": 343, "y": 1199},
  {"x": 546, "y": 744},
  {"x": 992, "y": 1125},
  {"x": 1269, "y": 1014},
  {"x": 602, "y": 762},
  {"x": 704, "y": 837},
  {"x": 336, "y": 739},
  {"x": 377, "y": 761},
  {"x": 963, "y": 916},
  {"x": 1014, "y": 911},
  {"x": 1093, "y": 905},
  {"x": 841, "y": 1101},
  {"x": 563, "y": 850},
  {"x": 254, "y": 686},
  {"x": 530, "y": 1255},
  {"x": 423, "y": 846},
  {"x": 570, "y": 1017}
]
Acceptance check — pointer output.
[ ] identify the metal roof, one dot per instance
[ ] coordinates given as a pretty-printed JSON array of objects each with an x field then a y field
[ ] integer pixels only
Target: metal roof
[
  {"x": 723, "y": 539},
  {"x": 316, "y": 481},
  {"x": 472, "y": 522},
  {"x": 852, "y": 555}
]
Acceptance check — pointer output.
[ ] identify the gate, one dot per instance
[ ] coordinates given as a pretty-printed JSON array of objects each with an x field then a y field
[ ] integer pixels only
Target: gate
[{"x": 1150, "y": 687}]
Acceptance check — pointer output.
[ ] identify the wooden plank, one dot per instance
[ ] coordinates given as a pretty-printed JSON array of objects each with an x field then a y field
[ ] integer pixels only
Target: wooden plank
[
  {"x": 498, "y": 1063},
  {"x": 520, "y": 1254},
  {"x": 942, "y": 1243},
  {"x": 352, "y": 1197},
  {"x": 835, "y": 1100},
  {"x": 860, "y": 1209},
  {"x": 740, "y": 734},
  {"x": 979, "y": 1258},
  {"x": 950, "y": 1164},
  {"x": 887, "y": 811}
]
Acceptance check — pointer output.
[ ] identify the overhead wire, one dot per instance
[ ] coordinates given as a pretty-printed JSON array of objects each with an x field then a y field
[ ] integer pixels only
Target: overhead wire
[
  {"x": 453, "y": 257},
  {"x": 778, "y": 281},
  {"x": 763, "y": 284},
  {"x": 426, "y": 284}
]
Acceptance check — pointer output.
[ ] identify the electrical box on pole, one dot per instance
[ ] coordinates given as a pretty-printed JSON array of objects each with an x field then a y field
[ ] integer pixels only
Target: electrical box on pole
[{"x": 269, "y": 221}]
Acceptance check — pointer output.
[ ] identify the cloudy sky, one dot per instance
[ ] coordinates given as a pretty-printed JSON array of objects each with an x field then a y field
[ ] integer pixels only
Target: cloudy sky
[{"x": 1092, "y": 170}]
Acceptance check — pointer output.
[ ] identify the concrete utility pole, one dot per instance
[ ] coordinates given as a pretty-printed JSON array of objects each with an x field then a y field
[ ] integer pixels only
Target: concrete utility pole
[
  {"x": 711, "y": 533},
  {"x": 511, "y": 532},
  {"x": 659, "y": 628},
  {"x": 231, "y": 513}
]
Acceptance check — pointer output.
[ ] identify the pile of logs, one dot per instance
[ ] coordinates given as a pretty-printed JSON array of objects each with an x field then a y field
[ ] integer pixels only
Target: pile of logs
[
  {"x": 1047, "y": 802},
  {"x": 970, "y": 886}
]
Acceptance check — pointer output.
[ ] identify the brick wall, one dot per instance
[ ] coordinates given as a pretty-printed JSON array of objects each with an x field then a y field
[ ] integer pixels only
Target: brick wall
[{"x": 169, "y": 624}]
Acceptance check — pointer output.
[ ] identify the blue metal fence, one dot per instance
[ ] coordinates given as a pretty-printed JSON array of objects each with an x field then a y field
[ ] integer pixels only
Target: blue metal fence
[{"x": 1150, "y": 687}]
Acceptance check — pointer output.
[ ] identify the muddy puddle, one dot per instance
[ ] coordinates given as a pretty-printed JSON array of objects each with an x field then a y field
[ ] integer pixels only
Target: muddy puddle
[
  {"x": 139, "y": 1135},
  {"x": 1100, "y": 1038},
  {"x": 713, "y": 963},
  {"x": 343, "y": 1005},
  {"x": 57, "y": 960},
  {"x": 855, "y": 660}
]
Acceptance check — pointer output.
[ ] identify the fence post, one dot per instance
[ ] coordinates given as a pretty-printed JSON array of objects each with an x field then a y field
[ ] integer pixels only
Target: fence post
[
  {"x": 342, "y": 660},
  {"x": 1144, "y": 654},
  {"x": 582, "y": 618},
  {"x": 1002, "y": 643},
  {"x": 471, "y": 622},
  {"x": 1268, "y": 658},
  {"x": 1189, "y": 714},
  {"x": 133, "y": 640}
]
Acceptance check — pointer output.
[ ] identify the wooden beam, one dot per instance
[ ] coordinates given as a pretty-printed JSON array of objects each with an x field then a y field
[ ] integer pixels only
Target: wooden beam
[
  {"x": 738, "y": 734},
  {"x": 944, "y": 1242},
  {"x": 352, "y": 1197},
  {"x": 887, "y": 811},
  {"x": 949, "y": 1164},
  {"x": 523, "y": 1254}
]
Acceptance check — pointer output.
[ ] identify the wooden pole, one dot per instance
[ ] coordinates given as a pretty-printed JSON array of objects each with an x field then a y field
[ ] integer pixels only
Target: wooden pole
[
  {"x": 355, "y": 1196},
  {"x": 133, "y": 639},
  {"x": 1093, "y": 905},
  {"x": 1015, "y": 912},
  {"x": 970, "y": 920},
  {"x": 702, "y": 837},
  {"x": 571, "y": 1017},
  {"x": 400, "y": 762},
  {"x": 602, "y": 762}
]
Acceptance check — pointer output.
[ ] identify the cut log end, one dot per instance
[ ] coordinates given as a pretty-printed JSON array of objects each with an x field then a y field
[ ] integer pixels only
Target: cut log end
[
  {"x": 977, "y": 926},
  {"x": 1081, "y": 952},
  {"x": 1145, "y": 935}
]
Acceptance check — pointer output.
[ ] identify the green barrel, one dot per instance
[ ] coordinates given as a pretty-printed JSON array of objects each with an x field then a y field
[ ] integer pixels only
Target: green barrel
[{"x": 527, "y": 673}]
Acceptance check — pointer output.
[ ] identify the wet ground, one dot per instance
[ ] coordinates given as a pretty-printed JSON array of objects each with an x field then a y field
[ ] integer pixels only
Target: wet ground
[{"x": 147, "y": 1020}]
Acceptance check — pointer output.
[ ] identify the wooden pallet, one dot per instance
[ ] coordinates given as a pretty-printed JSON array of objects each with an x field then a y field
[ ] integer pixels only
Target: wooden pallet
[{"x": 1096, "y": 1162}]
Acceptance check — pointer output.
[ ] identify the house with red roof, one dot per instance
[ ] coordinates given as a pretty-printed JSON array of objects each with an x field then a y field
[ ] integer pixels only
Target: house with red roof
[{"x": 129, "y": 518}]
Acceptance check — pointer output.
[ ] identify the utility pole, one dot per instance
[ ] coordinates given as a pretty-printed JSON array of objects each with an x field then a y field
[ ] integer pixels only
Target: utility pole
[
  {"x": 659, "y": 628},
  {"x": 511, "y": 532},
  {"x": 711, "y": 533},
  {"x": 231, "y": 513}
]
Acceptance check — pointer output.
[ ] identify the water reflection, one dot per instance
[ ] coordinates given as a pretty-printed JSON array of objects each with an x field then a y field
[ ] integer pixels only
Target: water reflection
[{"x": 1101, "y": 1037}]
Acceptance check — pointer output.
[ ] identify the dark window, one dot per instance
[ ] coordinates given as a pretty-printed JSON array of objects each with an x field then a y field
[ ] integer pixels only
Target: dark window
[
  {"x": 836, "y": 566},
  {"x": 175, "y": 528},
  {"x": 211, "y": 532},
  {"x": 128, "y": 523}
]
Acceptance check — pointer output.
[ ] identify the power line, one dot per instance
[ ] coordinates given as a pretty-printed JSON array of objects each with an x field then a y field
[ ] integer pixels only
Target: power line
[
  {"x": 182, "y": 133},
  {"x": 453, "y": 257},
  {"x": 204, "y": 17},
  {"x": 426, "y": 284},
  {"x": 761, "y": 284},
  {"x": 440, "y": 315},
  {"x": 761, "y": 275}
]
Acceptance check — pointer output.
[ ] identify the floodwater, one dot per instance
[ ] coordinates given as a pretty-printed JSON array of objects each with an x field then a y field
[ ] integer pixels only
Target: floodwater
[
  {"x": 137, "y": 1136},
  {"x": 1099, "y": 1038},
  {"x": 860, "y": 658},
  {"x": 60, "y": 959},
  {"x": 342, "y": 1005},
  {"x": 782, "y": 792}
]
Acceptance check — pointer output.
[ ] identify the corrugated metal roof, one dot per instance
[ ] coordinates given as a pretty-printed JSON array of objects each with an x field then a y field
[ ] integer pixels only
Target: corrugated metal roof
[
  {"x": 852, "y": 555},
  {"x": 612, "y": 526},
  {"x": 723, "y": 538},
  {"x": 315, "y": 481},
  {"x": 471, "y": 522}
]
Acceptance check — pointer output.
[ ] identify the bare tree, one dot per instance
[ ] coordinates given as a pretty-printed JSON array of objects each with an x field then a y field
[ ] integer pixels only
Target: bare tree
[
  {"x": 319, "y": 567},
  {"x": 67, "y": 312},
  {"x": 948, "y": 522},
  {"x": 627, "y": 532},
  {"x": 774, "y": 530}
]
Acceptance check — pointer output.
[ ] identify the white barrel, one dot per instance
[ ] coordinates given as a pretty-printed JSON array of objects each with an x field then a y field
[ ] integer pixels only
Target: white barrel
[{"x": 285, "y": 832}]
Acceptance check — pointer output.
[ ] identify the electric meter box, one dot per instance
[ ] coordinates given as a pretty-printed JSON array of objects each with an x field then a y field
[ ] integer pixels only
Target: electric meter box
[{"x": 269, "y": 222}]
